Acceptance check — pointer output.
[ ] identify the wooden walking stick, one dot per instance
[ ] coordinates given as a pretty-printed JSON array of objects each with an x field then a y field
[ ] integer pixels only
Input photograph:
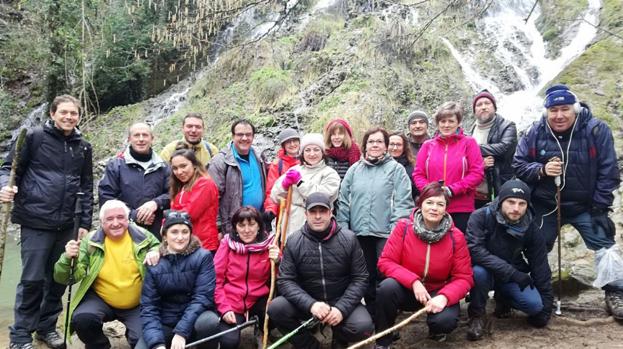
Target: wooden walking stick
[
  {"x": 389, "y": 330},
  {"x": 558, "y": 221},
  {"x": 284, "y": 212},
  {"x": 6, "y": 207}
]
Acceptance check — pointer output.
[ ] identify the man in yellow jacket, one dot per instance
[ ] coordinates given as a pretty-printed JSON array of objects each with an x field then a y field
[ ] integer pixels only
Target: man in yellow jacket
[{"x": 192, "y": 127}]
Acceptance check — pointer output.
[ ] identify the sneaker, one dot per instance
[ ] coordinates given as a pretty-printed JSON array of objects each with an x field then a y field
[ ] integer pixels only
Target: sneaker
[
  {"x": 21, "y": 346},
  {"x": 52, "y": 340},
  {"x": 614, "y": 304},
  {"x": 475, "y": 328},
  {"x": 438, "y": 337}
]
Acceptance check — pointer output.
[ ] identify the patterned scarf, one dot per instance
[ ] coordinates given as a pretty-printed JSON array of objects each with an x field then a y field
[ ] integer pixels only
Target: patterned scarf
[
  {"x": 433, "y": 235},
  {"x": 254, "y": 247}
]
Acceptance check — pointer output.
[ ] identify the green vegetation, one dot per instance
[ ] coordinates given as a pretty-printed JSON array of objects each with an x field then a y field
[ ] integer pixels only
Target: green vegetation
[{"x": 556, "y": 17}]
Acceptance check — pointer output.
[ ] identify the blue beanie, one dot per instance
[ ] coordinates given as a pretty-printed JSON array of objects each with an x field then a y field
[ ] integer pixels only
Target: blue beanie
[{"x": 558, "y": 94}]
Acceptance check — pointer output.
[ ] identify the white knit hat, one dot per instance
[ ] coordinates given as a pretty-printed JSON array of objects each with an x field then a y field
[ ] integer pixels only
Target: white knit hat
[{"x": 312, "y": 138}]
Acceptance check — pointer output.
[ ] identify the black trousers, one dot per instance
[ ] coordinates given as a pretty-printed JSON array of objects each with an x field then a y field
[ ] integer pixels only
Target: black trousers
[
  {"x": 355, "y": 327},
  {"x": 392, "y": 296},
  {"x": 232, "y": 339},
  {"x": 460, "y": 220},
  {"x": 372, "y": 247},
  {"x": 90, "y": 315}
]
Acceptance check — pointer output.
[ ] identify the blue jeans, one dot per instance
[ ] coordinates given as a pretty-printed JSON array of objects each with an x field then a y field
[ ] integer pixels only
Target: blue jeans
[{"x": 528, "y": 301}]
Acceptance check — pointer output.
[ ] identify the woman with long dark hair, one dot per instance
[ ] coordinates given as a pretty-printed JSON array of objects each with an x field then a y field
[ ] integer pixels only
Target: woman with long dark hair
[{"x": 400, "y": 150}]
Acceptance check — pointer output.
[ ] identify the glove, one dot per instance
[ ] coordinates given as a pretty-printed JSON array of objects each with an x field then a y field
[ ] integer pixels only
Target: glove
[
  {"x": 600, "y": 219},
  {"x": 267, "y": 218},
  {"x": 522, "y": 279},
  {"x": 292, "y": 177},
  {"x": 539, "y": 320}
]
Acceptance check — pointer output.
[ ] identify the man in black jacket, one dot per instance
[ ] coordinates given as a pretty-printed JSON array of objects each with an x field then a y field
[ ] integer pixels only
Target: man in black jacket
[
  {"x": 497, "y": 138},
  {"x": 323, "y": 274},
  {"x": 140, "y": 178},
  {"x": 55, "y": 164},
  {"x": 508, "y": 255}
]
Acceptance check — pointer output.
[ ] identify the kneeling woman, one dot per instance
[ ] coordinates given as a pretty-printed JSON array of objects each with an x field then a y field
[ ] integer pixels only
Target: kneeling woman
[
  {"x": 178, "y": 292},
  {"x": 427, "y": 264},
  {"x": 242, "y": 273}
]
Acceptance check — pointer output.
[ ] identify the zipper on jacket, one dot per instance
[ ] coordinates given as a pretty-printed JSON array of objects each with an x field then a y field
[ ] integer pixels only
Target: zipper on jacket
[
  {"x": 246, "y": 283},
  {"x": 324, "y": 284},
  {"x": 445, "y": 160},
  {"x": 426, "y": 263}
]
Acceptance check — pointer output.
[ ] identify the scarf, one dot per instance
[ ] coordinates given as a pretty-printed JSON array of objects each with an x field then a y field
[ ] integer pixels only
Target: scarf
[
  {"x": 515, "y": 229},
  {"x": 433, "y": 235},
  {"x": 486, "y": 124},
  {"x": 342, "y": 154},
  {"x": 254, "y": 247},
  {"x": 140, "y": 157}
]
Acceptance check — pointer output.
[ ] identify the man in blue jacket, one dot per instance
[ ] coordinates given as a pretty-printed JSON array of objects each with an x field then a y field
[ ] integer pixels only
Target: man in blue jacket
[
  {"x": 54, "y": 164},
  {"x": 571, "y": 149},
  {"x": 509, "y": 255},
  {"x": 140, "y": 178}
]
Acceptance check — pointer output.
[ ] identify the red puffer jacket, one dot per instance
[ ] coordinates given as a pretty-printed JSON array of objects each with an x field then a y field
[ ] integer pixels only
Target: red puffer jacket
[
  {"x": 201, "y": 203},
  {"x": 404, "y": 259},
  {"x": 240, "y": 279},
  {"x": 457, "y": 161}
]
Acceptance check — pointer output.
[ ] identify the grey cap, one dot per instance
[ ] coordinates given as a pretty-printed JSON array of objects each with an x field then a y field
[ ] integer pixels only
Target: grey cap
[
  {"x": 418, "y": 114},
  {"x": 287, "y": 134},
  {"x": 318, "y": 199}
]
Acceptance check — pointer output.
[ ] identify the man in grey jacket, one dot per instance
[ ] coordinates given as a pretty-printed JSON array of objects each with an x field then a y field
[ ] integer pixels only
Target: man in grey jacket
[{"x": 239, "y": 174}]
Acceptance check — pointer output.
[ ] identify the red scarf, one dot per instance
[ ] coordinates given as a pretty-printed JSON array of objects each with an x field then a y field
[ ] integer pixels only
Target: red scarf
[{"x": 352, "y": 155}]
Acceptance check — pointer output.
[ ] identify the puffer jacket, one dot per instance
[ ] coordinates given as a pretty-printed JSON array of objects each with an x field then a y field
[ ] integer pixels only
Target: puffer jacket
[
  {"x": 591, "y": 172},
  {"x": 444, "y": 267},
  {"x": 91, "y": 259},
  {"x": 332, "y": 271},
  {"x": 49, "y": 177},
  {"x": 241, "y": 278},
  {"x": 283, "y": 162},
  {"x": 176, "y": 291},
  {"x": 501, "y": 144},
  {"x": 316, "y": 178},
  {"x": 225, "y": 172},
  {"x": 457, "y": 161},
  {"x": 502, "y": 253},
  {"x": 126, "y": 180},
  {"x": 373, "y": 197},
  {"x": 201, "y": 203}
]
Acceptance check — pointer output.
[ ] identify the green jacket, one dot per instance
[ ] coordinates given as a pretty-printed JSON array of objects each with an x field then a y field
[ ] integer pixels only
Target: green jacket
[
  {"x": 373, "y": 197},
  {"x": 91, "y": 258}
]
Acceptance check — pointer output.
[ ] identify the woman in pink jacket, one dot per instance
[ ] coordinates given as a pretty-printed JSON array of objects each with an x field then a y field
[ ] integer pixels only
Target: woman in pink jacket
[
  {"x": 427, "y": 264},
  {"x": 242, "y": 265},
  {"x": 453, "y": 158}
]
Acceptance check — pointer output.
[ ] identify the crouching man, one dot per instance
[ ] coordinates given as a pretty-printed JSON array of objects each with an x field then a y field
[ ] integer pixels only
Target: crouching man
[
  {"x": 109, "y": 263},
  {"x": 322, "y": 274},
  {"x": 509, "y": 256}
]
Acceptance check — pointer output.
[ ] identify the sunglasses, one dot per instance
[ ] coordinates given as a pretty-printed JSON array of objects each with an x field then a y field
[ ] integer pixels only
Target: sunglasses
[{"x": 170, "y": 214}]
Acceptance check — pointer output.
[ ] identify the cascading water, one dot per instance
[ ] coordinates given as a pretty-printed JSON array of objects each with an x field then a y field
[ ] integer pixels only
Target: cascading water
[{"x": 519, "y": 46}]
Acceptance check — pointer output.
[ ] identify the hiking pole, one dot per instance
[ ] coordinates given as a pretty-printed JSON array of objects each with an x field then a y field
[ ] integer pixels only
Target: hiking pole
[
  {"x": 389, "y": 330},
  {"x": 6, "y": 207},
  {"x": 309, "y": 323},
  {"x": 253, "y": 321},
  {"x": 273, "y": 270},
  {"x": 72, "y": 262},
  {"x": 558, "y": 220},
  {"x": 286, "y": 219}
]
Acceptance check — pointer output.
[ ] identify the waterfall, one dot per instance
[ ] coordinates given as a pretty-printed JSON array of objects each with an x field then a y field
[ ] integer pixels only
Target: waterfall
[{"x": 519, "y": 47}]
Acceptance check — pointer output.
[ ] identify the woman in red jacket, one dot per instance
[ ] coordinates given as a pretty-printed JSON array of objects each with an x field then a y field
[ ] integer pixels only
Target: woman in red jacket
[
  {"x": 193, "y": 191},
  {"x": 242, "y": 273},
  {"x": 427, "y": 264},
  {"x": 453, "y": 158}
]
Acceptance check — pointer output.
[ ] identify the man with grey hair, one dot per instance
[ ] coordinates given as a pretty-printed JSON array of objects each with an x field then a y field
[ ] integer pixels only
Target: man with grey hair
[
  {"x": 110, "y": 267},
  {"x": 140, "y": 178},
  {"x": 418, "y": 131}
]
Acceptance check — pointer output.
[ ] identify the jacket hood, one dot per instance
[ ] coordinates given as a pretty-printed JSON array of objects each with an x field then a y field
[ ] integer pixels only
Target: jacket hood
[
  {"x": 193, "y": 245},
  {"x": 455, "y": 137}
]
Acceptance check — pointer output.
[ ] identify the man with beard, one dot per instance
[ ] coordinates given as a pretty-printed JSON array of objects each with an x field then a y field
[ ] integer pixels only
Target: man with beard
[
  {"x": 497, "y": 138},
  {"x": 192, "y": 127},
  {"x": 509, "y": 256},
  {"x": 418, "y": 131}
]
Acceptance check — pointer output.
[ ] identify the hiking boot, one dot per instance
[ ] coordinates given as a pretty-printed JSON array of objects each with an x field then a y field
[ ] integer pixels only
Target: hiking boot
[
  {"x": 502, "y": 310},
  {"x": 438, "y": 337},
  {"x": 614, "y": 304},
  {"x": 21, "y": 346},
  {"x": 52, "y": 339},
  {"x": 475, "y": 328}
]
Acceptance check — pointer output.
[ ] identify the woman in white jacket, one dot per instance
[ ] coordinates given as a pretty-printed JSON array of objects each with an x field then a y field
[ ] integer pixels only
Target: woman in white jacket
[{"x": 311, "y": 176}]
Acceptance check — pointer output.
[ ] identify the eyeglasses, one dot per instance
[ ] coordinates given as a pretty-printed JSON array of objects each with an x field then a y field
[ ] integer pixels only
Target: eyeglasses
[
  {"x": 242, "y": 135},
  {"x": 372, "y": 141}
]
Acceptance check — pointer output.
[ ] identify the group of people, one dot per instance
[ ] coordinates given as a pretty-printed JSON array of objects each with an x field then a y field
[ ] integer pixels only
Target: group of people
[{"x": 402, "y": 222}]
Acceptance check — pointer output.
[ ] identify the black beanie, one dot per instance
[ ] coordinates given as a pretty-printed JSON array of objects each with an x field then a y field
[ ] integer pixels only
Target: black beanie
[{"x": 515, "y": 188}]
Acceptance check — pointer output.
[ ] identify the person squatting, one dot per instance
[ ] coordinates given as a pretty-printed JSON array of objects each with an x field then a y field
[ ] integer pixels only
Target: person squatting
[{"x": 189, "y": 237}]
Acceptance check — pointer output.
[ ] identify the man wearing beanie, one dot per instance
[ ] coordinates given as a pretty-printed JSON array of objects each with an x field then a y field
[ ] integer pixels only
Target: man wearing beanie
[
  {"x": 508, "y": 256},
  {"x": 497, "y": 138},
  {"x": 418, "y": 131},
  {"x": 572, "y": 148}
]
